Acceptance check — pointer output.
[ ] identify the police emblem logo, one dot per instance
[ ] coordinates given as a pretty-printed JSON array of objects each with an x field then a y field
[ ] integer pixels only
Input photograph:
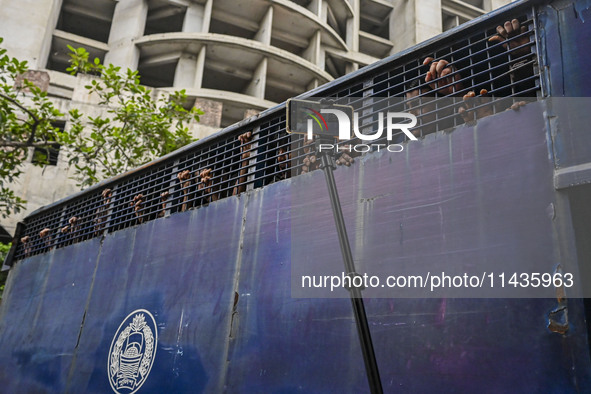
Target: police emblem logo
[{"x": 132, "y": 352}]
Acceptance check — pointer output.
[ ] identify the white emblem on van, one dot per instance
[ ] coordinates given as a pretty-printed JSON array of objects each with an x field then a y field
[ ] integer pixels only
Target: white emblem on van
[{"x": 132, "y": 352}]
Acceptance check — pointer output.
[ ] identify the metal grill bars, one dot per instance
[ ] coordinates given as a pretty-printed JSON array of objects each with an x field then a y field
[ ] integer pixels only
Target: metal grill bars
[{"x": 258, "y": 151}]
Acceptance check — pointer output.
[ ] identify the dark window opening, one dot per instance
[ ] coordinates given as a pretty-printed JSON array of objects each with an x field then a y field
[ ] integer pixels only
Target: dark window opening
[
  {"x": 58, "y": 60},
  {"x": 164, "y": 18},
  {"x": 335, "y": 67},
  {"x": 59, "y": 55},
  {"x": 276, "y": 93},
  {"x": 475, "y": 3},
  {"x": 222, "y": 27},
  {"x": 378, "y": 26},
  {"x": 48, "y": 155},
  {"x": 87, "y": 20},
  {"x": 157, "y": 76},
  {"x": 291, "y": 47},
  {"x": 225, "y": 78},
  {"x": 302, "y": 3}
]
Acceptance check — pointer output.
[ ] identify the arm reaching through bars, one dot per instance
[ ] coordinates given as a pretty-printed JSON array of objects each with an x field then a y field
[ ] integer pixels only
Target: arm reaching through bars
[
  {"x": 184, "y": 178},
  {"x": 205, "y": 185}
]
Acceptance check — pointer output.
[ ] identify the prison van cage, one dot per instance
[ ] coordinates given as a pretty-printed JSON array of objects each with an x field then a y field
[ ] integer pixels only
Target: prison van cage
[{"x": 214, "y": 269}]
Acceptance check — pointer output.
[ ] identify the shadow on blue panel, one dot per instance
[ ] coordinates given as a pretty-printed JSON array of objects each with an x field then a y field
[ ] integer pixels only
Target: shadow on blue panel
[{"x": 41, "y": 365}]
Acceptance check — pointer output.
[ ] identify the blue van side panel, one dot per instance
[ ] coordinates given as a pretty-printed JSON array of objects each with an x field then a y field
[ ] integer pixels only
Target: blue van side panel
[
  {"x": 182, "y": 269},
  {"x": 41, "y": 317}
]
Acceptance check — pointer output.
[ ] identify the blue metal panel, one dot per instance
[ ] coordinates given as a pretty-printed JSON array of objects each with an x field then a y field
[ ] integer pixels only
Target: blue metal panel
[
  {"x": 459, "y": 194},
  {"x": 182, "y": 270},
  {"x": 472, "y": 197},
  {"x": 217, "y": 279},
  {"x": 281, "y": 344},
  {"x": 187, "y": 268},
  {"x": 566, "y": 30},
  {"x": 570, "y": 131},
  {"x": 41, "y": 317},
  {"x": 474, "y": 200},
  {"x": 471, "y": 345}
]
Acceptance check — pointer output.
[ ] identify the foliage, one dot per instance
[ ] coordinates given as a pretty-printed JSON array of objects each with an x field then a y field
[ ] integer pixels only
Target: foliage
[
  {"x": 4, "y": 249},
  {"x": 136, "y": 126},
  {"x": 114, "y": 144},
  {"x": 24, "y": 122}
]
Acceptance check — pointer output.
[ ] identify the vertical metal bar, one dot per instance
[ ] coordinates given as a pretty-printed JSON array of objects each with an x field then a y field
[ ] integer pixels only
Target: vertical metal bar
[
  {"x": 369, "y": 357},
  {"x": 59, "y": 237},
  {"x": 541, "y": 69},
  {"x": 255, "y": 156},
  {"x": 109, "y": 208},
  {"x": 167, "y": 206}
]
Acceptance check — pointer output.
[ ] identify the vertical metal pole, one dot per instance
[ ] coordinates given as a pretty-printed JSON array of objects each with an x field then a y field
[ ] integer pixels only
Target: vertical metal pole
[{"x": 369, "y": 357}]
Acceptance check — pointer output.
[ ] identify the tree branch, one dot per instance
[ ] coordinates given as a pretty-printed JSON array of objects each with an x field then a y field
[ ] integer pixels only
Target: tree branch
[
  {"x": 27, "y": 144},
  {"x": 36, "y": 120},
  {"x": 15, "y": 102}
]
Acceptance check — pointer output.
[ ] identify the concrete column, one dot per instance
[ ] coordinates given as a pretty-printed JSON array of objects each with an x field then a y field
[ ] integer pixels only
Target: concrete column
[
  {"x": 322, "y": 59},
  {"x": 313, "y": 84},
  {"x": 207, "y": 16},
  {"x": 323, "y": 12},
  {"x": 264, "y": 33},
  {"x": 199, "y": 68},
  {"x": 256, "y": 87},
  {"x": 189, "y": 70},
  {"x": 129, "y": 21},
  {"x": 315, "y": 6},
  {"x": 185, "y": 72},
  {"x": 193, "y": 22},
  {"x": 350, "y": 67},
  {"x": 312, "y": 53},
  {"x": 27, "y": 26},
  {"x": 352, "y": 34},
  {"x": 414, "y": 22},
  {"x": 47, "y": 38},
  {"x": 428, "y": 19}
]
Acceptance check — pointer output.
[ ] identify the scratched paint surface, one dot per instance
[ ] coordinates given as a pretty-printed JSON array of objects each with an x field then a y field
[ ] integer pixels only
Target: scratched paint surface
[
  {"x": 40, "y": 318},
  {"x": 281, "y": 344},
  {"x": 565, "y": 33},
  {"x": 565, "y": 43}
]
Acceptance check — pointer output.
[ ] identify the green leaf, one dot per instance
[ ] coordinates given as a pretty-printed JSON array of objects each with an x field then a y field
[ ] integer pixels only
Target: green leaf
[{"x": 135, "y": 129}]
